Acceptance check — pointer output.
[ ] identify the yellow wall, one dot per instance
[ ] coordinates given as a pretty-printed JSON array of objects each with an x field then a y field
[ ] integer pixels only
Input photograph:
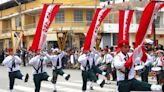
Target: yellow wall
[{"x": 72, "y": 2}]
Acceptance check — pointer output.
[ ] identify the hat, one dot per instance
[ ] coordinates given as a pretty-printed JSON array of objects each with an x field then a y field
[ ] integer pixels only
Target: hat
[
  {"x": 106, "y": 49},
  {"x": 122, "y": 43},
  {"x": 148, "y": 41},
  {"x": 10, "y": 50},
  {"x": 160, "y": 51}
]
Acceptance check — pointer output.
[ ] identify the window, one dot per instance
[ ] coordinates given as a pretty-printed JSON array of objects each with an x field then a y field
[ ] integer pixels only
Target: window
[
  {"x": 78, "y": 15},
  {"x": 59, "y": 18},
  {"x": 18, "y": 21},
  {"x": 138, "y": 16},
  {"x": 89, "y": 16},
  {"x": 115, "y": 38},
  {"x": 157, "y": 22}
]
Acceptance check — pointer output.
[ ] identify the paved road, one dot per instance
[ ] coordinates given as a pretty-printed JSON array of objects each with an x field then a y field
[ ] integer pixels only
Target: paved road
[{"x": 73, "y": 85}]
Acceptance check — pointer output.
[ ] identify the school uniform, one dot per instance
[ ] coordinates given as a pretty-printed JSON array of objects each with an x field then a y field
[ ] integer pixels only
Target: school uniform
[
  {"x": 86, "y": 61},
  {"x": 57, "y": 67},
  {"x": 39, "y": 64},
  {"x": 13, "y": 66},
  {"x": 159, "y": 69},
  {"x": 125, "y": 80}
]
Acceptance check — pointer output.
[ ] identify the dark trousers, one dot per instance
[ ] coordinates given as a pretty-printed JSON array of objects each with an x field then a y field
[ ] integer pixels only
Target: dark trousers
[
  {"x": 144, "y": 74},
  {"x": 55, "y": 73},
  {"x": 133, "y": 85},
  {"x": 97, "y": 70},
  {"x": 38, "y": 78},
  {"x": 13, "y": 76},
  {"x": 88, "y": 75},
  {"x": 114, "y": 75}
]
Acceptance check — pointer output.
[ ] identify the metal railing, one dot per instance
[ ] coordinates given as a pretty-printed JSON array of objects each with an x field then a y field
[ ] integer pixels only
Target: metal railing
[
  {"x": 6, "y": 30},
  {"x": 29, "y": 26}
]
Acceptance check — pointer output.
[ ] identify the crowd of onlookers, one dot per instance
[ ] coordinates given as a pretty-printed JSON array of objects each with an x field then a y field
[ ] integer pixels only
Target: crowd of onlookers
[{"x": 26, "y": 55}]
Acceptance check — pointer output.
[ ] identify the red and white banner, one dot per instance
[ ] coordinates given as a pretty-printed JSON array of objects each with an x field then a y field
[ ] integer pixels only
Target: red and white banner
[
  {"x": 47, "y": 15},
  {"x": 90, "y": 38},
  {"x": 146, "y": 20},
  {"x": 125, "y": 17}
]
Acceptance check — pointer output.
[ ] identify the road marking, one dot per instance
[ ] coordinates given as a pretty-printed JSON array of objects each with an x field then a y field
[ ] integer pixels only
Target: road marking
[
  {"x": 25, "y": 89},
  {"x": 60, "y": 88},
  {"x": 80, "y": 85},
  {"x": 1, "y": 90}
]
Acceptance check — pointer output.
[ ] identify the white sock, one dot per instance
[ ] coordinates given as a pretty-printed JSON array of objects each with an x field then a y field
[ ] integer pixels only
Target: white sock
[
  {"x": 49, "y": 79},
  {"x": 11, "y": 90},
  {"x": 65, "y": 75},
  {"x": 91, "y": 84},
  {"x": 104, "y": 73},
  {"x": 54, "y": 86},
  {"x": 156, "y": 87},
  {"x": 99, "y": 81},
  {"x": 23, "y": 78}
]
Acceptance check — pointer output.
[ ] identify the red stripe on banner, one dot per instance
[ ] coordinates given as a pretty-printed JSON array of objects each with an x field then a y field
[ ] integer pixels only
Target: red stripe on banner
[
  {"x": 92, "y": 32},
  {"x": 36, "y": 40},
  {"x": 128, "y": 23},
  {"x": 121, "y": 25}
]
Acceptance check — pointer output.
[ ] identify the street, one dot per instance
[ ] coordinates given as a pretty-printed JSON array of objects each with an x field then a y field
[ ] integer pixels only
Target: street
[{"x": 73, "y": 85}]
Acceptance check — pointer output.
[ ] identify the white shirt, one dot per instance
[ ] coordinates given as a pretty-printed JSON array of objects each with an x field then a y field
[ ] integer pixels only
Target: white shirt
[
  {"x": 119, "y": 61},
  {"x": 8, "y": 62},
  {"x": 54, "y": 58},
  {"x": 107, "y": 58},
  {"x": 36, "y": 63},
  {"x": 158, "y": 61},
  {"x": 83, "y": 60}
]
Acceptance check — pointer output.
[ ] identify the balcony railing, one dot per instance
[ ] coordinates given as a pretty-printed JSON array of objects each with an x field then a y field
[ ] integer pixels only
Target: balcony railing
[
  {"x": 29, "y": 26},
  {"x": 61, "y": 25},
  {"x": 6, "y": 30}
]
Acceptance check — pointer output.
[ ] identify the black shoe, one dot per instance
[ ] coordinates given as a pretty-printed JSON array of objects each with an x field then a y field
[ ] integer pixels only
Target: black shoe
[
  {"x": 91, "y": 88},
  {"x": 55, "y": 91},
  {"x": 102, "y": 84},
  {"x": 53, "y": 80},
  {"x": 26, "y": 78},
  {"x": 68, "y": 76}
]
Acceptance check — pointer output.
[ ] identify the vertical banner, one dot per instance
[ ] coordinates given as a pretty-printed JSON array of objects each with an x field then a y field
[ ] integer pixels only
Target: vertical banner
[
  {"x": 146, "y": 20},
  {"x": 47, "y": 15},
  {"x": 125, "y": 17},
  {"x": 90, "y": 38}
]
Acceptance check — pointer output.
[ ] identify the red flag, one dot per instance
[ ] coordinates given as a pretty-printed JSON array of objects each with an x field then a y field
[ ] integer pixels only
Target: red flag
[
  {"x": 94, "y": 28},
  {"x": 146, "y": 20},
  {"x": 47, "y": 15}
]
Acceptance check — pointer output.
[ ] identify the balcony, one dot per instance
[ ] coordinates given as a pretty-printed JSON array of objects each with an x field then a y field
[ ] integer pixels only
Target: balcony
[
  {"x": 6, "y": 30},
  {"x": 29, "y": 26},
  {"x": 75, "y": 26}
]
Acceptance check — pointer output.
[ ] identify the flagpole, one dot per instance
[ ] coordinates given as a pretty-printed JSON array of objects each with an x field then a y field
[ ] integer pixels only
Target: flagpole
[{"x": 154, "y": 32}]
